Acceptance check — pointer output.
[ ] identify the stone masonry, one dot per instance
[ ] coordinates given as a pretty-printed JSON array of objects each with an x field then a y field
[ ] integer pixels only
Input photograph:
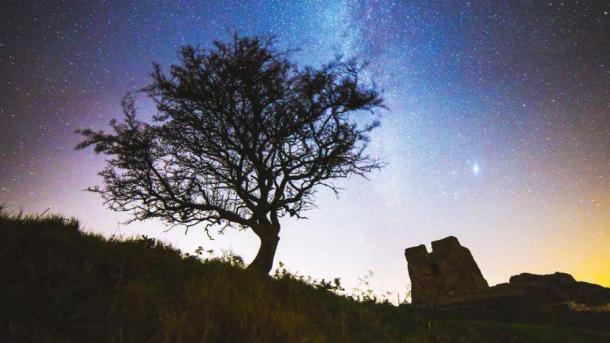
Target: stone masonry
[{"x": 448, "y": 271}]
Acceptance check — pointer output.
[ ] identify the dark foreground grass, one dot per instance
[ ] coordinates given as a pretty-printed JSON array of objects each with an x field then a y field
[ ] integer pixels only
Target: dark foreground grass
[{"x": 58, "y": 284}]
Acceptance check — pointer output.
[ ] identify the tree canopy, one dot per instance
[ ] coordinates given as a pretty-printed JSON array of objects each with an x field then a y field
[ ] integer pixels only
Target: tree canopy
[{"x": 241, "y": 137}]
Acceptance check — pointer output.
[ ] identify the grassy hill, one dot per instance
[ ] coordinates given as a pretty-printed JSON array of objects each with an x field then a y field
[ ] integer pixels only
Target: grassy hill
[{"x": 59, "y": 284}]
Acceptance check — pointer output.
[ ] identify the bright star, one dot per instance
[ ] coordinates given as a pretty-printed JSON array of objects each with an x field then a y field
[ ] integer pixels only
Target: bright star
[{"x": 475, "y": 168}]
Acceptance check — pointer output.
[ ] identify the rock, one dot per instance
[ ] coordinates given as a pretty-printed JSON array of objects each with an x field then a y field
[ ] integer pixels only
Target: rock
[
  {"x": 448, "y": 271},
  {"x": 542, "y": 280},
  {"x": 560, "y": 287}
]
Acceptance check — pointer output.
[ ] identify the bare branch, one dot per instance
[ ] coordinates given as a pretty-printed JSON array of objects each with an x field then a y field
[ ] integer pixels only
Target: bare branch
[{"x": 241, "y": 137}]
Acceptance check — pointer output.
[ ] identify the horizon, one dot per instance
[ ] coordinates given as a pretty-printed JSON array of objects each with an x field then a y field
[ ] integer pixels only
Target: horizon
[{"x": 497, "y": 133}]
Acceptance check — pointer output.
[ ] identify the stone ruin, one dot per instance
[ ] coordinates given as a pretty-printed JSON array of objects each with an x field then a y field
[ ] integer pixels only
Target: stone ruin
[
  {"x": 448, "y": 271},
  {"x": 449, "y": 275}
]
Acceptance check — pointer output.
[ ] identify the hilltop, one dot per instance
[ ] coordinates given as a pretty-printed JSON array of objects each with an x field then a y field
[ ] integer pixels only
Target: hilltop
[{"x": 61, "y": 284}]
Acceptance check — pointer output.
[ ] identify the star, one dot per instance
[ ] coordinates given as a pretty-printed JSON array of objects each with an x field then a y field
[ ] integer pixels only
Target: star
[{"x": 476, "y": 169}]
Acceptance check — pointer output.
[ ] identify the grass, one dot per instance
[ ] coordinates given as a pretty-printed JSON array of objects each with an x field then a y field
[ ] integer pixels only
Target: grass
[{"x": 59, "y": 284}]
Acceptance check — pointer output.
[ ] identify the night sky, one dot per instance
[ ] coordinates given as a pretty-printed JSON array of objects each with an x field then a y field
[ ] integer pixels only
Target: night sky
[{"x": 498, "y": 128}]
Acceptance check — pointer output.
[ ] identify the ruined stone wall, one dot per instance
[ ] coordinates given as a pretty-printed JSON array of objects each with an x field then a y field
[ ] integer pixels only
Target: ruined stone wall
[{"x": 448, "y": 271}]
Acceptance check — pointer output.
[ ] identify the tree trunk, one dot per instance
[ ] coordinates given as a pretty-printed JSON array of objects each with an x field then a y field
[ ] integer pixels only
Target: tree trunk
[{"x": 263, "y": 262}]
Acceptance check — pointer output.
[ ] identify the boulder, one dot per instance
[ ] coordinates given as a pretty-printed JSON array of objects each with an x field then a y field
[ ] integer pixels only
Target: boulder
[{"x": 560, "y": 287}]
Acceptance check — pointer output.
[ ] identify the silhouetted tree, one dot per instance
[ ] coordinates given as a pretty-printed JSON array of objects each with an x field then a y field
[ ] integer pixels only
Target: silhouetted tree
[{"x": 241, "y": 137}]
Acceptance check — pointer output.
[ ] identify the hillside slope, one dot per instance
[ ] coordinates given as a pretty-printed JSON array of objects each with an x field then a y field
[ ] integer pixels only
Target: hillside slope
[{"x": 60, "y": 284}]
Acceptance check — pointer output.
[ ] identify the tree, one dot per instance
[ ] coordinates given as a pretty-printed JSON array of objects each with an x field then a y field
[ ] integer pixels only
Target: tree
[{"x": 241, "y": 138}]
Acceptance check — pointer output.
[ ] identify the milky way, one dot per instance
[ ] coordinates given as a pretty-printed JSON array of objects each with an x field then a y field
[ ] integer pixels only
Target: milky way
[{"x": 497, "y": 132}]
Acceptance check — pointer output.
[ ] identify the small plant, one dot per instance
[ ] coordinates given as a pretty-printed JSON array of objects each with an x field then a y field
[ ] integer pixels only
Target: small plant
[
  {"x": 226, "y": 256},
  {"x": 200, "y": 250},
  {"x": 231, "y": 258},
  {"x": 363, "y": 291},
  {"x": 334, "y": 285},
  {"x": 149, "y": 242}
]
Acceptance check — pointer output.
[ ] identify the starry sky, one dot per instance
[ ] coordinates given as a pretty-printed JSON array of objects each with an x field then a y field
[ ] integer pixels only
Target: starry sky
[{"x": 498, "y": 128}]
